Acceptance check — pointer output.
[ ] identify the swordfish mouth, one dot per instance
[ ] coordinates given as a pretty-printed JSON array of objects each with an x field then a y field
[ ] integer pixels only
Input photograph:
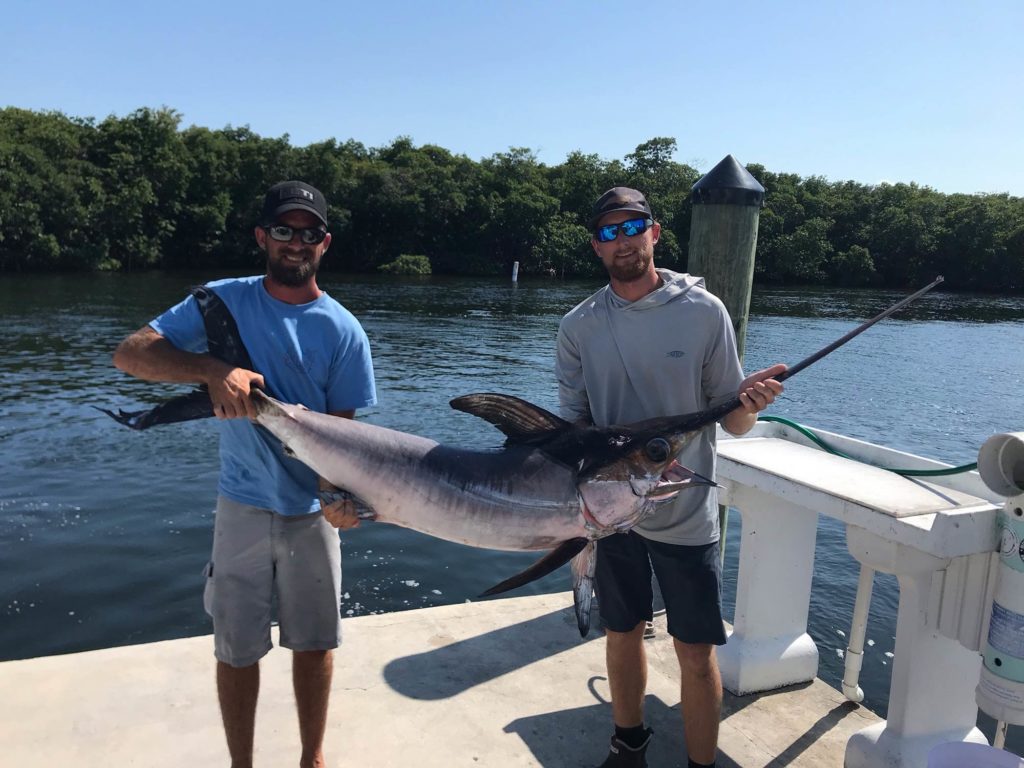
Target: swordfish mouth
[
  {"x": 610, "y": 505},
  {"x": 674, "y": 479}
]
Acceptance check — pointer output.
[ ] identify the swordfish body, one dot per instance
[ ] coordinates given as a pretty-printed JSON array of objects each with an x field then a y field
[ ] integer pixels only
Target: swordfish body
[
  {"x": 553, "y": 486},
  {"x": 519, "y": 497},
  {"x": 514, "y": 499}
]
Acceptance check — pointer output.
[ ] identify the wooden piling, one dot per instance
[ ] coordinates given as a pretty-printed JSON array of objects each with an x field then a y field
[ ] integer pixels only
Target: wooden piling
[
  {"x": 727, "y": 203},
  {"x": 723, "y": 237}
]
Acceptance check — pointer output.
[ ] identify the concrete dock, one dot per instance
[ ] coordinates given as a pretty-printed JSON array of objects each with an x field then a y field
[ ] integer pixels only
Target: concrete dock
[{"x": 502, "y": 683}]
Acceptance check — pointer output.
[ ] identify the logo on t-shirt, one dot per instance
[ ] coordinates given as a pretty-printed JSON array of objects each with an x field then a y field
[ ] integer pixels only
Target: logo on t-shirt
[
  {"x": 676, "y": 353},
  {"x": 305, "y": 365}
]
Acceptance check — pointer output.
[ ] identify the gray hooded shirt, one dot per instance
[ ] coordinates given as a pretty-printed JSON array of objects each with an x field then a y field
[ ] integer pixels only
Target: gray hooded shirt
[{"x": 671, "y": 352}]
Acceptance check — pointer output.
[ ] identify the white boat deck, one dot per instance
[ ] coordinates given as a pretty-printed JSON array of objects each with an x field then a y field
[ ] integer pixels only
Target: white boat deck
[{"x": 499, "y": 683}]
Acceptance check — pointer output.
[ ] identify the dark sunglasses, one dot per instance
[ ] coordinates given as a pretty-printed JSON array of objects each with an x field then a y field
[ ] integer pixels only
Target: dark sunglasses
[
  {"x": 630, "y": 228},
  {"x": 284, "y": 234}
]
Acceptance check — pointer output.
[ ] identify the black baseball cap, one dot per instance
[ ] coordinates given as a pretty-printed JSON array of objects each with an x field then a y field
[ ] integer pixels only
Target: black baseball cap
[
  {"x": 619, "y": 199},
  {"x": 293, "y": 196}
]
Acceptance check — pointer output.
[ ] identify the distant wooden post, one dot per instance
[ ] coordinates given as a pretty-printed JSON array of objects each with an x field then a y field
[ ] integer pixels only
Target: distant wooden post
[
  {"x": 727, "y": 203},
  {"x": 723, "y": 236}
]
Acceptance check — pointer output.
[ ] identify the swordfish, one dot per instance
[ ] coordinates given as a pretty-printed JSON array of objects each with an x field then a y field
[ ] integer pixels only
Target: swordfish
[{"x": 553, "y": 485}]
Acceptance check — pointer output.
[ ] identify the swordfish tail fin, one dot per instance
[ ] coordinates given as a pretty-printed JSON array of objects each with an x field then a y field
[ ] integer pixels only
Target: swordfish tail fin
[
  {"x": 223, "y": 342},
  {"x": 194, "y": 405}
]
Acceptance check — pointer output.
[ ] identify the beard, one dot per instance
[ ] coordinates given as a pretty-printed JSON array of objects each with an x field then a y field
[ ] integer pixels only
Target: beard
[
  {"x": 292, "y": 275},
  {"x": 631, "y": 268}
]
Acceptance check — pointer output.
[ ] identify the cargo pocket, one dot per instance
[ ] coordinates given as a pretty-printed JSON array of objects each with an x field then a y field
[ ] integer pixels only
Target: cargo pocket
[{"x": 208, "y": 588}]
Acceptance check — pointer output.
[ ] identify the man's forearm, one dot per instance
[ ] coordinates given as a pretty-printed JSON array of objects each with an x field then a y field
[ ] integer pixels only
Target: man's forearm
[
  {"x": 739, "y": 422},
  {"x": 148, "y": 355}
]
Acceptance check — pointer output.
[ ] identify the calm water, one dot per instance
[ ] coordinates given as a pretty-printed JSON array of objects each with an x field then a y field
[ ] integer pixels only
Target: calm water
[{"x": 104, "y": 531}]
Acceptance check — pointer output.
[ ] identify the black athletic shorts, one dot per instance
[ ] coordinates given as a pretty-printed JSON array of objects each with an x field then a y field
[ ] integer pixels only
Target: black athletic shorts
[{"x": 690, "y": 579}]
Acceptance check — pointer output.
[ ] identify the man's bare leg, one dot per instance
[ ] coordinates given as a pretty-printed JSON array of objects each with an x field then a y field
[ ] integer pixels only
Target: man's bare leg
[
  {"x": 311, "y": 678},
  {"x": 627, "y": 675},
  {"x": 237, "y": 689},
  {"x": 701, "y": 694}
]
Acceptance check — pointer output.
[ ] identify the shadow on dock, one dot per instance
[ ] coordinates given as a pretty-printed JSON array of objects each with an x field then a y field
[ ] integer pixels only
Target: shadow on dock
[
  {"x": 454, "y": 666},
  {"x": 493, "y": 684}
]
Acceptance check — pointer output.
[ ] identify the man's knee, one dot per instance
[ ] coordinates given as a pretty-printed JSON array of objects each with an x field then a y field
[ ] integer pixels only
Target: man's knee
[
  {"x": 699, "y": 657},
  {"x": 311, "y": 657},
  {"x": 625, "y": 637}
]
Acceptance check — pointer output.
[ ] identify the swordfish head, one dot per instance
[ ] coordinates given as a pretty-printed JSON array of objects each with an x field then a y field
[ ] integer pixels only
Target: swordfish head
[
  {"x": 627, "y": 471},
  {"x": 622, "y": 472}
]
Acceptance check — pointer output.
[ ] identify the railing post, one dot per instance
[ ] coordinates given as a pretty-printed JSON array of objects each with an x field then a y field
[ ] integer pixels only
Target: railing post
[
  {"x": 769, "y": 646},
  {"x": 931, "y": 696},
  {"x": 854, "y": 660}
]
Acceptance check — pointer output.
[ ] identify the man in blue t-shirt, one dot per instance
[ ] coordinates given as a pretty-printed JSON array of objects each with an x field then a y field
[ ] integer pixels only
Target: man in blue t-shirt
[{"x": 271, "y": 532}]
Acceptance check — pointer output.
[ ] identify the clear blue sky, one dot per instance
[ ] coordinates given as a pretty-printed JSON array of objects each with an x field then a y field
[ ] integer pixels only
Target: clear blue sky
[{"x": 871, "y": 90}]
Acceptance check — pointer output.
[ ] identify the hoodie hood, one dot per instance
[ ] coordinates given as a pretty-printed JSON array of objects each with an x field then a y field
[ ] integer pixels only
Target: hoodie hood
[{"x": 674, "y": 286}]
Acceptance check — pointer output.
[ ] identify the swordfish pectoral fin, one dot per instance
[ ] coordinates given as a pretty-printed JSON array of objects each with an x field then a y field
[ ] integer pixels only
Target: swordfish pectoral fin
[
  {"x": 553, "y": 560},
  {"x": 583, "y": 585}
]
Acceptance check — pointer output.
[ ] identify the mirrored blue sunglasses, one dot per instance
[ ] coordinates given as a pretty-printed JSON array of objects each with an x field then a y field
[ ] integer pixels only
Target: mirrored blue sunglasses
[
  {"x": 284, "y": 234},
  {"x": 630, "y": 228}
]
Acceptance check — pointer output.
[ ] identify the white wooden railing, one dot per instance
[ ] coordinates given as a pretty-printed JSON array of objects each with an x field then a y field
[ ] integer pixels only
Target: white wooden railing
[{"x": 938, "y": 538}]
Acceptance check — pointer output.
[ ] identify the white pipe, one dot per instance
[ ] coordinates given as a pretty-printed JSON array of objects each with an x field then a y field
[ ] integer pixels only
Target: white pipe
[{"x": 858, "y": 629}]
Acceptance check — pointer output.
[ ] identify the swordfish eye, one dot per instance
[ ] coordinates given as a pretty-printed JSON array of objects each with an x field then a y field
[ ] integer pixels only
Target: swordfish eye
[{"x": 658, "y": 449}]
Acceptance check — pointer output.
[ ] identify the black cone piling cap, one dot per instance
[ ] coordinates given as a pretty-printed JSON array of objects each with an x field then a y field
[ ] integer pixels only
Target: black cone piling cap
[{"x": 728, "y": 183}]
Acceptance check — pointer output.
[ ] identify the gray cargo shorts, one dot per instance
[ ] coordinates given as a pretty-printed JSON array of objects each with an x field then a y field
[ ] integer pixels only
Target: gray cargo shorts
[{"x": 257, "y": 553}]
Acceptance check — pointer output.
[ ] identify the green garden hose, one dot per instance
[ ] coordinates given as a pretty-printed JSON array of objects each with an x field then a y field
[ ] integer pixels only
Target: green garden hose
[{"x": 906, "y": 472}]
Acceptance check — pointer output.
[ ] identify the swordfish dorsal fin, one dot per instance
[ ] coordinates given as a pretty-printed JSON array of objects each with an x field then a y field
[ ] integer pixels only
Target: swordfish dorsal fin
[{"x": 522, "y": 422}]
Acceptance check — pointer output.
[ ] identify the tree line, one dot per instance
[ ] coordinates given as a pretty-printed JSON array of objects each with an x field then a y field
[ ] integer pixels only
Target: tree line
[{"x": 139, "y": 192}]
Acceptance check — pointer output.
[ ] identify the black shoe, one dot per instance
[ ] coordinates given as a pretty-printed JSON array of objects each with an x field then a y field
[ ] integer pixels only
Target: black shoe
[{"x": 621, "y": 755}]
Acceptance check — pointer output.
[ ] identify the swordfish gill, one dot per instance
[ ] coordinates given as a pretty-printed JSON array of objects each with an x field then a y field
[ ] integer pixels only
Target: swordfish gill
[{"x": 553, "y": 485}]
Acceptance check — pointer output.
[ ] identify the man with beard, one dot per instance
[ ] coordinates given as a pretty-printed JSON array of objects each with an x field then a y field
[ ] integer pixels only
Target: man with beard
[
  {"x": 656, "y": 343},
  {"x": 272, "y": 534}
]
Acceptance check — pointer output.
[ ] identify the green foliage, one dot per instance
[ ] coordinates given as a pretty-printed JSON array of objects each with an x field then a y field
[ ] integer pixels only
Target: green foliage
[
  {"x": 562, "y": 248},
  {"x": 139, "y": 192},
  {"x": 407, "y": 264},
  {"x": 803, "y": 254},
  {"x": 852, "y": 267}
]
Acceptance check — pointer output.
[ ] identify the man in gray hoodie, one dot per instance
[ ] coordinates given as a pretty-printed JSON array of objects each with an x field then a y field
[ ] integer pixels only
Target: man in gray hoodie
[{"x": 656, "y": 343}]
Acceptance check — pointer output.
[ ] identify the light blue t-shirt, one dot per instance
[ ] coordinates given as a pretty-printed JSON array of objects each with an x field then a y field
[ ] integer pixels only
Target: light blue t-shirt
[{"x": 315, "y": 354}]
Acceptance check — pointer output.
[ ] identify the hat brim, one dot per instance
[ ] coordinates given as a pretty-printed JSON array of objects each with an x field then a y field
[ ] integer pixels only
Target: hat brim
[
  {"x": 632, "y": 209},
  {"x": 298, "y": 207}
]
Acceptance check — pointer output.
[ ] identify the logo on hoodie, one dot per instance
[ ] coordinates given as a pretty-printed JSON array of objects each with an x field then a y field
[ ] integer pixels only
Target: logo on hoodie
[{"x": 676, "y": 353}]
